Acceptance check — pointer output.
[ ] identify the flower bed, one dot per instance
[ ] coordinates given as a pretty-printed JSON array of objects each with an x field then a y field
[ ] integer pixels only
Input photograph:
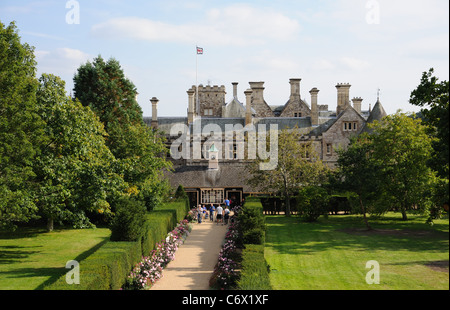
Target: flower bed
[
  {"x": 149, "y": 270},
  {"x": 226, "y": 271}
]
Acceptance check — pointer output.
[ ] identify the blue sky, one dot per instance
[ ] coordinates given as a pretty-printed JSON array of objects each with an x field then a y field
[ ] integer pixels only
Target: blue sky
[{"x": 370, "y": 44}]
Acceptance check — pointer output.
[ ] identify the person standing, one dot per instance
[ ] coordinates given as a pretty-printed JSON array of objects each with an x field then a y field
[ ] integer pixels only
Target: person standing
[
  {"x": 227, "y": 202},
  {"x": 219, "y": 211},
  {"x": 199, "y": 213},
  {"x": 226, "y": 215},
  {"x": 211, "y": 213}
]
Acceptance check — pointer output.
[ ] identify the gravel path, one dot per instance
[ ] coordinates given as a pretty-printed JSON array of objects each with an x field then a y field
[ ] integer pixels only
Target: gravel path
[{"x": 195, "y": 259}]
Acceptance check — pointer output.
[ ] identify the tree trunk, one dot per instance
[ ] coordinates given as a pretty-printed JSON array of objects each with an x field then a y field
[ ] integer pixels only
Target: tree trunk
[
  {"x": 363, "y": 209},
  {"x": 288, "y": 205},
  {"x": 50, "y": 224},
  {"x": 404, "y": 216}
]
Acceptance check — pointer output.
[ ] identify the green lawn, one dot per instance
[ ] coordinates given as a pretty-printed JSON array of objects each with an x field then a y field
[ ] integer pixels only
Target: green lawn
[
  {"x": 30, "y": 258},
  {"x": 332, "y": 253}
]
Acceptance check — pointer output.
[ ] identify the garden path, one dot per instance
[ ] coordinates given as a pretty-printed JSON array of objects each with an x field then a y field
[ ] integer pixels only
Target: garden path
[{"x": 194, "y": 260}]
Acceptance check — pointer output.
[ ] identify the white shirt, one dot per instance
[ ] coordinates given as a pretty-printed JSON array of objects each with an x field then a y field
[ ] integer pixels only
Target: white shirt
[{"x": 219, "y": 210}]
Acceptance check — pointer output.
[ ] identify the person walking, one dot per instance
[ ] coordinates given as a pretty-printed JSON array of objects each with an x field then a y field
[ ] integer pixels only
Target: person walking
[{"x": 219, "y": 211}]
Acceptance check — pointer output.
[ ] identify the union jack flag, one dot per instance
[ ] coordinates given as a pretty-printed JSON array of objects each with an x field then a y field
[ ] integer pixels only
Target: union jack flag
[{"x": 199, "y": 50}]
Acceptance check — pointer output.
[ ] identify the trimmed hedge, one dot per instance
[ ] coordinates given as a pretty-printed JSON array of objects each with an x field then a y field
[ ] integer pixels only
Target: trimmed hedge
[
  {"x": 255, "y": 271},
  {"x": 252, "y": 222},
  {"x": 109, "y": 266}
]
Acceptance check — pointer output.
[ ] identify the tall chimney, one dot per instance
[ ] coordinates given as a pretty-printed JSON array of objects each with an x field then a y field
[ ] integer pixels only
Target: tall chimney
[
  {"x": 248, "y": 107},
  {"x": 154, "y": 102},
  {"x": 235, "y": 84},
  {"x": 343, "y": 97},
  {"x": 191, "y": 94},
  {"x": 295, "y": 89},
  {"x": 357, "y": 104},
  {"x": 314, "y": 108},
  {"x": 258, "y": 92}
]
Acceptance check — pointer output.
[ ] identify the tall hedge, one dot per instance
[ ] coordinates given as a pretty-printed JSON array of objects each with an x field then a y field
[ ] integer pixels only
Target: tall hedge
[
  {"x": 255, "y": 271},
  {"x": 108, "y": 267}
]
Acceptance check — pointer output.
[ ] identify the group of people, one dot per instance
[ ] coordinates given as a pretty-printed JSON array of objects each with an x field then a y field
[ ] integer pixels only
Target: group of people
[{"x": 219, "y": 214}]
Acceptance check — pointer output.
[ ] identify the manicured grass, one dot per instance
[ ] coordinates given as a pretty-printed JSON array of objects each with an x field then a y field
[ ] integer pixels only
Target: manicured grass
[
  {"x": 332, "y": 253},
  {"x": 30, "y": 258}
]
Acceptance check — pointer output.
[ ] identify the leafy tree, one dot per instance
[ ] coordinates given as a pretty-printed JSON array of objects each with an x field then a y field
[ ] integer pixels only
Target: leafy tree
[
  {"x": 104, "y": 88},
  {"x": 402, "y": 147},
  {"x": 298, "y": 165},
  {"x": 433, "y": 97},
  {"x": 21, "y": 128},
  {"x": 360, "y": 173},
  {"x": 74, "y": 169},
  {"x": 140, "y": 151}
]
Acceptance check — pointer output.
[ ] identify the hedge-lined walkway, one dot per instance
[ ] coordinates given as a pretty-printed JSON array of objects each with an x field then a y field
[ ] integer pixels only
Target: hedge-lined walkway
[{"x": 195, "y": 259}]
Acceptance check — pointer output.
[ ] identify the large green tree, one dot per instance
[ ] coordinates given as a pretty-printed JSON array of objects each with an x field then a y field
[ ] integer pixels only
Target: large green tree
[
  {"x": 432, "y": 95},
  {"x": 103, "y": 87},
  {"x": 360, "y": 173},
  {"x": 75, "y": 168},
  {"x": 402, "y": 147},
  {"x": 21, "y": 128}
]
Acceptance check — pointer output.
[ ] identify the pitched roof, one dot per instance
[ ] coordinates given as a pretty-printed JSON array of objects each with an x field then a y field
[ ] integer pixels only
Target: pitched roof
[{"x": 199, "y": 176}]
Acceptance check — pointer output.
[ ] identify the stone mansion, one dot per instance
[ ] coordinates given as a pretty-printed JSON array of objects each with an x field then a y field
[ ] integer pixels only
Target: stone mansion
[{"x": 217, "y": 172}]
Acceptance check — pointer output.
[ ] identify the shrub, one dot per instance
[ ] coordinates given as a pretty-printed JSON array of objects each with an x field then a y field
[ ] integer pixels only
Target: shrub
[
  {"x": 129, "y": 220},
  {"x": 180, "y": 193},
  {"x": 312, "y": 202},
  {"x": 253, "y": 236},
  {"x": 251, "y": 223}
]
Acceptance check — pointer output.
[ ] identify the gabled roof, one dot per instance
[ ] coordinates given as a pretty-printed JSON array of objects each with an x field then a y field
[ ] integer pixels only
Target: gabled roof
[
  {"x": 327, "y": 125},
  {"x": 300, "y": 102}
]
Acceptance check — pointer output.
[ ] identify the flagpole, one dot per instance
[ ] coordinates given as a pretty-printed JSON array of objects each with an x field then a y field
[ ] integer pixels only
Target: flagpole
[{"x": 196, "y": 78}]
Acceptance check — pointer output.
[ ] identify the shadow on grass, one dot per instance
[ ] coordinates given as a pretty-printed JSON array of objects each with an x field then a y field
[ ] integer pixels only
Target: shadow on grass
[
  {"x": 291, "y": 236},
  {"x": 56, "y": 273},
  {"x": 10, "y": 254}
]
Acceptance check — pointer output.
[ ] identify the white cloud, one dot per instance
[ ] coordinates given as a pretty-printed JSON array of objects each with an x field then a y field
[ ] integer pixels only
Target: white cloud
[
  {"x": 237, "y": 24},
  {"x": 354, "y": 63},
  {"x": 61, "y": 61}
]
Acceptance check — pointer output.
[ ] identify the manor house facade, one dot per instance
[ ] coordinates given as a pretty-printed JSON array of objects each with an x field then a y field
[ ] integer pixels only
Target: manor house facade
[{"x": 209, "y": 162}]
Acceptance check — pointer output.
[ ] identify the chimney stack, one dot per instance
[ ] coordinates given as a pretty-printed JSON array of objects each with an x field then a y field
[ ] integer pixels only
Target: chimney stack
[
  {"x": 235, "y": 84},
  {"x": 191, "y": 111},
  {"x": 248, "y": 107},
  {"x": 343, "y": 97},
  {"x": 314, "y": 108},
  {"x": 357, "y": 104},
  {"x": 154, "y": 102},
  {"x": 258, "y": 92},
  {"x": 295, "y": 89}
]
